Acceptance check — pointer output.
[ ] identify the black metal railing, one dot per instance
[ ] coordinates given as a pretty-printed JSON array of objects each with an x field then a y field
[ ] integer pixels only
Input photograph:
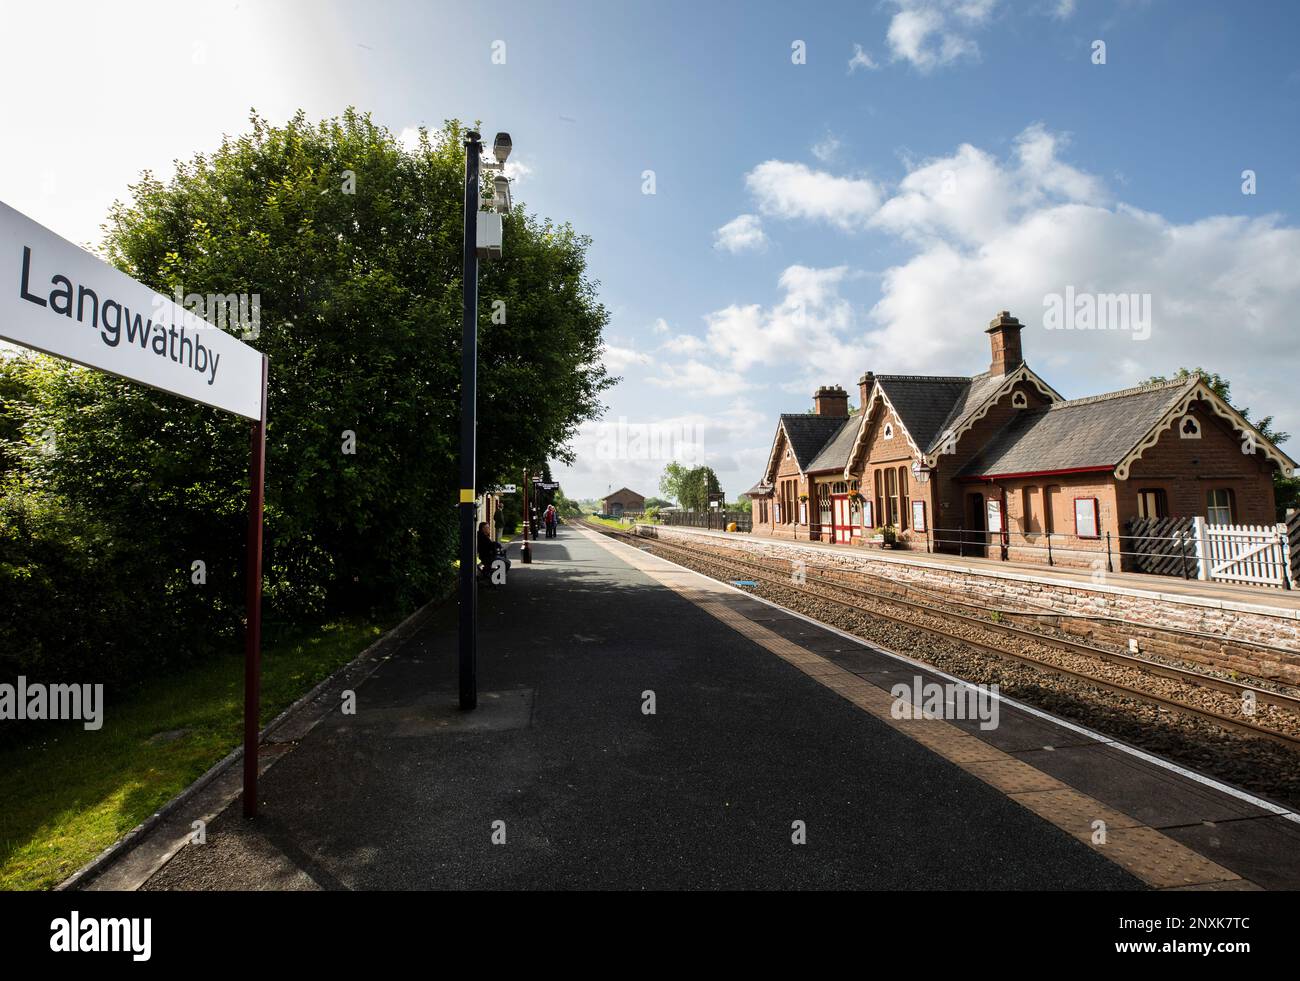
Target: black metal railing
[{"x": 713, "y": 518}]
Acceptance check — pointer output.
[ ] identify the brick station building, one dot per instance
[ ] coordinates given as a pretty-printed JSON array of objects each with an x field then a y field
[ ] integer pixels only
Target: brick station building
[
  {"x": 622, "y": 500},
  {"x": 999, "y": 464}
]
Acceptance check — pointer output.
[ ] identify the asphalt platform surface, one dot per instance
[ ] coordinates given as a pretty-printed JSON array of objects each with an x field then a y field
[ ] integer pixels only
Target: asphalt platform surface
[{"x": 560, "y": 780}]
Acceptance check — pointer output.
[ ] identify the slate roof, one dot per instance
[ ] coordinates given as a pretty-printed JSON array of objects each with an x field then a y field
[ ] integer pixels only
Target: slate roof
[
  {"x": 979, "y": 391},
  {"x": 1098, "y": 431},
  {"x": 758, "y": 490},
  {"x": 835, "y": 454},
  {"x": 924, "y": 403},
  {"x": 808, "y": 434}
]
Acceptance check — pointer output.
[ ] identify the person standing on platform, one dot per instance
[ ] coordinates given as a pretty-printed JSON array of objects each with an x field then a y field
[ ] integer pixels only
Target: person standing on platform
[{"x": 487, "y": 551}]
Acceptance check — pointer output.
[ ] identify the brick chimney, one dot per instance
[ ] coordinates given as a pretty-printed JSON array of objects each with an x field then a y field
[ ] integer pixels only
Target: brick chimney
[
  {"x": 1004, "y": 338},
  {"x": 831, "y": 400},
  {"x": 865, "y": 384}
]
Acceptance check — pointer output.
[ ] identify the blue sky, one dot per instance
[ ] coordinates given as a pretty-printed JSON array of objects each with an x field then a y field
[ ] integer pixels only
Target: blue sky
[{"x": 878, "y": 214}]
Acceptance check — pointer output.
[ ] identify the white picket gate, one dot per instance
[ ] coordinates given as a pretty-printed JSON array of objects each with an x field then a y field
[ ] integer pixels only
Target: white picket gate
[{"x": 1256, "y": 554}]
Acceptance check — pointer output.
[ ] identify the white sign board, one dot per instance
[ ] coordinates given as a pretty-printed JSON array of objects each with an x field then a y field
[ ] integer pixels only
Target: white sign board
[
  {"x": 995, "y": 517},
  {"x": 57, "y": 298},
  {"x": 1085, "y": 517}
]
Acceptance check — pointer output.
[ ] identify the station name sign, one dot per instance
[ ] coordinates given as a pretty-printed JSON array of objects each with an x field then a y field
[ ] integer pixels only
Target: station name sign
[{"x": 60, "y": 299}]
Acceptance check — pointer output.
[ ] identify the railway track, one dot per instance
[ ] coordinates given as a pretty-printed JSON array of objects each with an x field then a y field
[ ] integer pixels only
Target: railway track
[{"x": 867, "y": 603}]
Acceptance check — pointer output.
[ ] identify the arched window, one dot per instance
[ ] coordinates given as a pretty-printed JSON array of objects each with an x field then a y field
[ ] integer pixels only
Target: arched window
[
  {"x": 1050, "y": 495},
  {"x": 1029, "y": 521}
]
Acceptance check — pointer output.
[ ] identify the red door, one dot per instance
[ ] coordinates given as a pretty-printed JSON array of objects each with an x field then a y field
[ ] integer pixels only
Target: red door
[{"x": 843, "y": 518}]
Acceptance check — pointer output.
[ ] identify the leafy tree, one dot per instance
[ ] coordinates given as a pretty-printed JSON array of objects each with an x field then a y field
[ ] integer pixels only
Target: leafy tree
[
  {"x": 672, "y": 481},
  {"x": 567, "y": 507},
  {"x": 1286, "y": 488},
  {"x": 359, "y": 278},
  {"x": 689, "y": 487}
]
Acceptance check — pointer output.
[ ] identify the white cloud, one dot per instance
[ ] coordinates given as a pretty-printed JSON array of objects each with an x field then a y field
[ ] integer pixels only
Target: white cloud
[
  {"x": 617, "y": 359},
  {"x": 685, "y": 344},
  {"x": 932, "y": 33},
  {"x": 985, "y": 233},
  {"x": 827, "y": 148},
  {"x": 1064, "y": 9},
  {"x": 409, "y": 137},
  {"x": 793, "y": 190},
  {"x": 660, "y": 326},
  {"x": 518, "y": 170},
  {"x": 1223, "y": 288},
  {"x": 970, "y": 196},
  {"x": 806, "y": 327},
  {"x": 743, "y": 233},
  {"x": 701, "y": 379},
  {"x": 861, "y": 59}
]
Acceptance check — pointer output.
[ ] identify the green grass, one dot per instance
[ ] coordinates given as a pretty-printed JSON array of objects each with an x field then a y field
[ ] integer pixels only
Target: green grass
[
  {"x": 73, "y": 793},
  {"x": 614, "y": 522}
]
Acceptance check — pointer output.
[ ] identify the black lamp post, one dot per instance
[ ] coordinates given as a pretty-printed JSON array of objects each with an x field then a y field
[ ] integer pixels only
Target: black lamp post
[
  {"x": 468, "y": 659},
  {"x": 491, "y": 245}
]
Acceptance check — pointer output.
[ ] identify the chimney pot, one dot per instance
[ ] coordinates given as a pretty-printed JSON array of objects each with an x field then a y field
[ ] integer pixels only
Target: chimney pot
[
  {"x": 831, "y": 400},
  {"x": 1004, "y": 341}
]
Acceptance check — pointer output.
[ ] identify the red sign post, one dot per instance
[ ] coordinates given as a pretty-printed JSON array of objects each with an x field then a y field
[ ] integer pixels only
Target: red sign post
[{"x": 253, "y": 603}]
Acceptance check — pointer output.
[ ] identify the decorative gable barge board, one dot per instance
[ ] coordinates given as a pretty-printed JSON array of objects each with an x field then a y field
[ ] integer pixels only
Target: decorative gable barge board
[{"x": 1223, "y": 621}]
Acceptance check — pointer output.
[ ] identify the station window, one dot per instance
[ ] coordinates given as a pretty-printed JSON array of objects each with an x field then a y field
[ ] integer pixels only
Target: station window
[
  {"x": 1220, "y": 506},
  {"x": 904, "y": 508},
  {"x": 891, "y": 496},
  {"x": 1152, "y": 503}
]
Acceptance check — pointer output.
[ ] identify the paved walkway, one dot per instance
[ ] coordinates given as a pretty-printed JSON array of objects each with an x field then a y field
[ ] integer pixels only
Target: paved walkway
[{"x": 594, "y": 793}]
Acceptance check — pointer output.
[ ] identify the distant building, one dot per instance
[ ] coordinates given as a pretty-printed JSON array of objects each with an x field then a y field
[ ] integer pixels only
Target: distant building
[
  {"x": 622, "y": 500},
  {"x": 1000, "y": 460}
]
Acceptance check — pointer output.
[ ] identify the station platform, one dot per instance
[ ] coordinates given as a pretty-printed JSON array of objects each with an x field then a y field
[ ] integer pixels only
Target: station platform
[
  {"x": 771, "y": 760},
  {"x": 1271, "y": 601}
]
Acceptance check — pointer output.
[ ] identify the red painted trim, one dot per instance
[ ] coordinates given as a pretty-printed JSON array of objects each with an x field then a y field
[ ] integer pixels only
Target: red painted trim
[{"x": 974, "y": 479}]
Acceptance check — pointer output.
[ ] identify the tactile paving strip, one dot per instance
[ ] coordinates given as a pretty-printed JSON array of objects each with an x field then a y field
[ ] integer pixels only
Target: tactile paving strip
[{"x": 1153, "y": 857}]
